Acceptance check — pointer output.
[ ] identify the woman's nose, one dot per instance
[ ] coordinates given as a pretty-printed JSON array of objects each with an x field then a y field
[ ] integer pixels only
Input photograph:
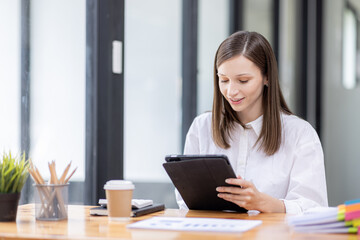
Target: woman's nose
[{"x": 233, "y": 90}]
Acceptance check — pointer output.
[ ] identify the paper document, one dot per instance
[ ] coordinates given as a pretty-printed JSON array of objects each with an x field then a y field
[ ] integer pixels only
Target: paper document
[
  {"x": 326, "y": 220},
  {"x": 196, "y": 224},
  {"x": 329, "y": 215}
]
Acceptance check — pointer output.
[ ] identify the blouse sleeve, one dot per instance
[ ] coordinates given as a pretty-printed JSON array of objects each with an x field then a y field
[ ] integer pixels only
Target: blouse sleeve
[
  {"x": 191, "y": 147},
  {"x": 307, "y": 186},
  {"x": 192, "y": 139}
]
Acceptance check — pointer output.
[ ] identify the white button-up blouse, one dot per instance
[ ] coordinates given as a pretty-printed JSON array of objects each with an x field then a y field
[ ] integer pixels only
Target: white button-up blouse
[{"x": 294, "y": 174}]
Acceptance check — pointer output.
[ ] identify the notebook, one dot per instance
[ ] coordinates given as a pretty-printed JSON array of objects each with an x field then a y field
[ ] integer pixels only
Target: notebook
[{"x": 102, "y": 210}]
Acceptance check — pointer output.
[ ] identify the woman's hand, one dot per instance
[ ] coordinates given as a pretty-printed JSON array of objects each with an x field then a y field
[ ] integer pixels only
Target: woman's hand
[{"x": 249, "y": 197}]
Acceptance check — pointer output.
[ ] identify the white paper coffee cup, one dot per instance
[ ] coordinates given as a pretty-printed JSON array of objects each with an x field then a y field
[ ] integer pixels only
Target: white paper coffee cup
[{"x": 119, "y": 195}]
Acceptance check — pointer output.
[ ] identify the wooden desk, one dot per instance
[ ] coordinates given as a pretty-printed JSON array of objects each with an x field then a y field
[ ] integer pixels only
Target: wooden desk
[{"x": 81, "y": 225}]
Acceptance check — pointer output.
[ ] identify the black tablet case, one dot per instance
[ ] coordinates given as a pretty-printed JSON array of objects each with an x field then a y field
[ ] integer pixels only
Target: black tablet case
[{"x": 196, "y": 178}]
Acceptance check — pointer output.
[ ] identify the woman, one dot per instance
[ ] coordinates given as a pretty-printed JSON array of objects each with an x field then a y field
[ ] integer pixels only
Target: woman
[{"x": 277, "y": 156}]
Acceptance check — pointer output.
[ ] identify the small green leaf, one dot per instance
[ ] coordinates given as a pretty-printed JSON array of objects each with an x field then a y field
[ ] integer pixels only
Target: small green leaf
[{"x": 13, "y": 172}]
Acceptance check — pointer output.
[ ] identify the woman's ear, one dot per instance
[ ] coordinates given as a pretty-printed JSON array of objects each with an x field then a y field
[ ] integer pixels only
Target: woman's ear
[{"x": 266, "y": 82}]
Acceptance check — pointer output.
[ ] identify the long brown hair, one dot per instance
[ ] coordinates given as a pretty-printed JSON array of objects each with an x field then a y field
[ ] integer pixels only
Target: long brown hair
[{"x": 257, "y": 49}]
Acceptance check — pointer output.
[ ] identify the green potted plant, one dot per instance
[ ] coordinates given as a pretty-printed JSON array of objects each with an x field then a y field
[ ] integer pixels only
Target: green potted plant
[{"x": 13, "y": 175}]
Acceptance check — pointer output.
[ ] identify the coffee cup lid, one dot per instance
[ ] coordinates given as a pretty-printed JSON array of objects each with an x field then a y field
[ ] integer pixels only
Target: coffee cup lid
[{"x": 118, "y": 185}]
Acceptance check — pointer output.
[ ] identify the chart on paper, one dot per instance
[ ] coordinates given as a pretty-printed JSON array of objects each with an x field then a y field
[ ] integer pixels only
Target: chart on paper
[{"x": 196, "y": 224}]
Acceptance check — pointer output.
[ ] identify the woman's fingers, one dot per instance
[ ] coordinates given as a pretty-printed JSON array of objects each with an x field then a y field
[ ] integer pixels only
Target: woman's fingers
[
  {"x": 239, "y": 182},
  {"x": 246, "y": 201},
  {"x": 243, "y": 194},
  {"x": 250, "y": 192},
  {"x": 236, "y": 181},
  {"x": 239, "y": 200},
  {"x": 233, "y": 190},
  {"x": 234, "y": 197},
  {"x": 244, "y": 186}
]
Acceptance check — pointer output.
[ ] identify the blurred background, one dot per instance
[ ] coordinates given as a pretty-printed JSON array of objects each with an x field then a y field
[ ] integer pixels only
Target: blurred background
[{"x": 113, "y": 85}]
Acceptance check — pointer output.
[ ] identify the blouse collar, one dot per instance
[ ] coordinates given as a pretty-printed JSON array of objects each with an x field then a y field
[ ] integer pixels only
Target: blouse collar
[{"x": 256, "y": 125}]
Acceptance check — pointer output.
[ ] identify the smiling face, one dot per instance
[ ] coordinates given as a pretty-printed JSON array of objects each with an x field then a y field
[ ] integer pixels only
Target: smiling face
[{"x": 241, "y": 83}]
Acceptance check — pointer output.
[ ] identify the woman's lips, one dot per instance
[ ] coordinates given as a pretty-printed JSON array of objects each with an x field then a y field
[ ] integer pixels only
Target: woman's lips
[{"x": 236, "y": 101}]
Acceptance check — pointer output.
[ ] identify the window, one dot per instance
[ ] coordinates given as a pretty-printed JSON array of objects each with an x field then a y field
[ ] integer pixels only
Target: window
[
  {"x": 10, "y": 75},
  {"x": 212, "y": 31},
  {"x": 152, "y": 79},
  {"x": 49, "y": 96},
  {"x": 57, "y": 90},
  {"x": 258, "y": 16},
  {"x": 57, "y": 87}
]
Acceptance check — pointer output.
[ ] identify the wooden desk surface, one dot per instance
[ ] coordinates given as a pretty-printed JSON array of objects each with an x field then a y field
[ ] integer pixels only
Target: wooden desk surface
[{"x": 80, "y": 225}]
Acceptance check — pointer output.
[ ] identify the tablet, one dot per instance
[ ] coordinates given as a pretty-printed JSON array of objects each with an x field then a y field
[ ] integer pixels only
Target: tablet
[{"x": 196, "y": 178}]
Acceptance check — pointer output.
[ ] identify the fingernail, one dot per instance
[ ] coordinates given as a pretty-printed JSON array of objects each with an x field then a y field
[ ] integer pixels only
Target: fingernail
[
  {"x": 218, "y": 189},
  {"x": 227, "y": 180}
]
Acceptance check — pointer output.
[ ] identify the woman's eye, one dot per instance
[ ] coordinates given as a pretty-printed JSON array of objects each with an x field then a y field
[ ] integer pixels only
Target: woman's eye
[
  {"x": 223, "y": 80},
  {"x": 243, "y": 81}
]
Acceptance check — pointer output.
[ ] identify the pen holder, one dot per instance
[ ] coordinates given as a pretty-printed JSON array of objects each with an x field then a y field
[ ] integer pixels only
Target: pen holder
[{"x": 51, "y": 202}]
